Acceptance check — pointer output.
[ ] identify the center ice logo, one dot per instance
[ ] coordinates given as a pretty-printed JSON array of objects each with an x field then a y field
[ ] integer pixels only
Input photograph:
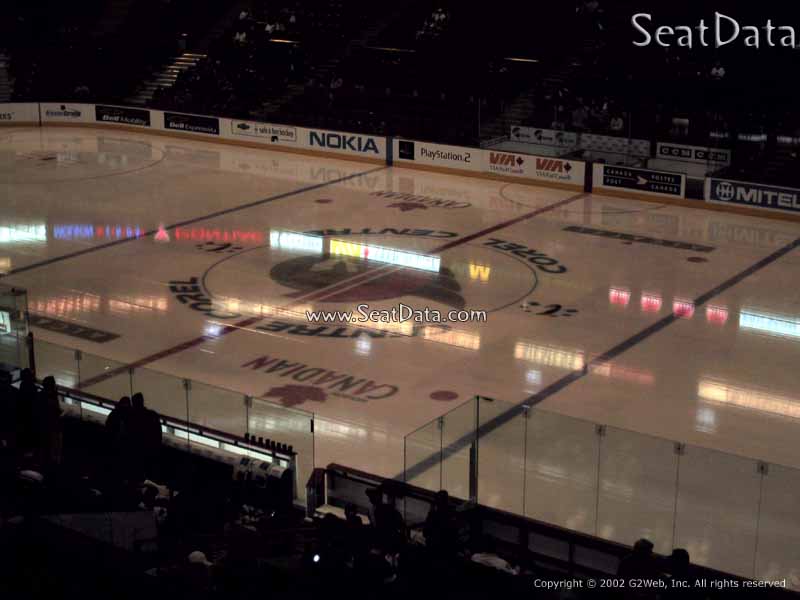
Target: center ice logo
[{"x": 309, "y": 273}]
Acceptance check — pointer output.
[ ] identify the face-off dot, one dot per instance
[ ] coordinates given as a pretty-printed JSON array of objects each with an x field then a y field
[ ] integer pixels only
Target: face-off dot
[{"x": 444, "y": 396}]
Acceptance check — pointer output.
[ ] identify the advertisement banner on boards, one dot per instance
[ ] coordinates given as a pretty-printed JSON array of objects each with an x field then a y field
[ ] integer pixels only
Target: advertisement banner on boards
[
  {"x": 643, "y": 181},
  {"x": 695, "y": 154},
  {"x": 614, "y": 144},
  {"x": 752, "y": 195},
  {"x": 66, "y": 112},
  {"x": 122, "y": 116},
  {"x": 354, "y": 144},
  {"x": 274, "y": 134},
  {"x": 19, "y": 113},
  {"x": 527, "y": 166},
  {"x": 191, "y": 123},
  {"x": 438, "y": 155},
  {"x": 545, "y": 137}
]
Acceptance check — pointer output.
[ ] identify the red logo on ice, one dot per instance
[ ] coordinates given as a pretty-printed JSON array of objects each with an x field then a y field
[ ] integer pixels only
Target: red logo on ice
[{"x": 292, "y": 395}]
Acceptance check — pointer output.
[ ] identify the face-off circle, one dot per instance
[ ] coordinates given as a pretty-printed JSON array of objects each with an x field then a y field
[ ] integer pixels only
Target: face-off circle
[{"x": 337, "y": 277}]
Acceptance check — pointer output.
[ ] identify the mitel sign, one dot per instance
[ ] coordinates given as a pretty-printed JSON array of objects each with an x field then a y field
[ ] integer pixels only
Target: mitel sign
[
  {"x": 343, "y": 141},
  {"x": 723, "y": 191}
]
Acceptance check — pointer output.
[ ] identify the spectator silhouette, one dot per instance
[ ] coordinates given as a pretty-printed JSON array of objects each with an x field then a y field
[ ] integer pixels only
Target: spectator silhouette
[
  {"x": 118, "y": 420},
  {"x": 9, "y": 407},
  {"x": 640, "y": 564},
  {"x": 118, "y": 429},
  {"x": 354, "y": 532},
  {"x": 387, "y": 520},
  {"x": 47, "y": 422},
  {"x": 145, "y": 437},
  {"x": 27, "y": 400},
  {"x": 680, "y": 571},
  {"x": 439, "y": 528}
]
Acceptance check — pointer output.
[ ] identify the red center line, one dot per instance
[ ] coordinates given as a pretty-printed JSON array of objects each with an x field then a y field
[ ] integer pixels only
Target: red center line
[{"x": 351, "y": 283}]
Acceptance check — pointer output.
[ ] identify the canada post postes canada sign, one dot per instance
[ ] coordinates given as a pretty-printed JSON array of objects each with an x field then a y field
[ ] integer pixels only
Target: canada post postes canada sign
[
  {"x": 349, "y": 143},
  {"x": 723, "y": 191},
  {"x": 643, "y": 181}
]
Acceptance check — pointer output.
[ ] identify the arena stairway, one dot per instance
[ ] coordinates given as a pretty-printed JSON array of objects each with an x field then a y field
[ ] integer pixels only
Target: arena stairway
[
  {"x": 165, "y": 78},
  {"x": 522, "y": 110},
  {"x": 6, "y": 84}
]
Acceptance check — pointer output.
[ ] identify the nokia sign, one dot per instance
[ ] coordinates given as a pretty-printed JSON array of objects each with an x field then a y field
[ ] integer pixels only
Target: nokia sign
[
  {"x": 343, "y": 141},
  {"x": 752, "y": 194}
]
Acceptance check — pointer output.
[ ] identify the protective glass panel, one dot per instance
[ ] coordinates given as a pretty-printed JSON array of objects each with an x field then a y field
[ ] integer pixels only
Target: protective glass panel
[
  {"x": 13, "y": 327},
  {"x": 292, "y": 427},
  {"x": 103, "y": 377},
  {"x": 561, "y": 471},
  {"x": 165, "y": 394},
  {"x": 501, "y": 455},
  {"x": 217, "y": 408},
  {"x": 458, "y": 435},
  {"x": 424, "y": 446},
  {"x": 637, "y": 489},
  {"x": 778, "y": 555},
  {"x": 717, "y": 509},
  {"x": 58, "y": 361}
]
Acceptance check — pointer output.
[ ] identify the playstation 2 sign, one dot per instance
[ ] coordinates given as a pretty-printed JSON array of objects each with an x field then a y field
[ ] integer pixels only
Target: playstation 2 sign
[
  {"x": 642, "y": 181},
  {"x": 754, "y": 195}
]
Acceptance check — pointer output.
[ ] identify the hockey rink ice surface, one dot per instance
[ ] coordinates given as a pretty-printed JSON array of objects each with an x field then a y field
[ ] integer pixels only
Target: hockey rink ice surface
[{"x": 199, "y": 260}]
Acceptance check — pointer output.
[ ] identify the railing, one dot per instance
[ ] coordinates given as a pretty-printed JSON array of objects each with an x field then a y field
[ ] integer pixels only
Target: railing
[
  {"x": 732, "y": 513},
  {"x": 206, "y": 410},
  {"x": 521, "y": 540},
  {"x": 94, "y": 409},
  {"x": 197, "y": 411}
]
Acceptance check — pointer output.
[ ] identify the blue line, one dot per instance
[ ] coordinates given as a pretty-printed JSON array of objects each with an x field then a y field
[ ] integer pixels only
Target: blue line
[
  {"x": 213, "y": 215},
  {"x": 558, "y": 385}
]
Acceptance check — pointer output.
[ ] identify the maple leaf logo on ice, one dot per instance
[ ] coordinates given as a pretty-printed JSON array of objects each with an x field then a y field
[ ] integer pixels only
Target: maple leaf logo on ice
[
  {"x": 406, "y": 206},
  {"x": 292, "y": 395}
]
